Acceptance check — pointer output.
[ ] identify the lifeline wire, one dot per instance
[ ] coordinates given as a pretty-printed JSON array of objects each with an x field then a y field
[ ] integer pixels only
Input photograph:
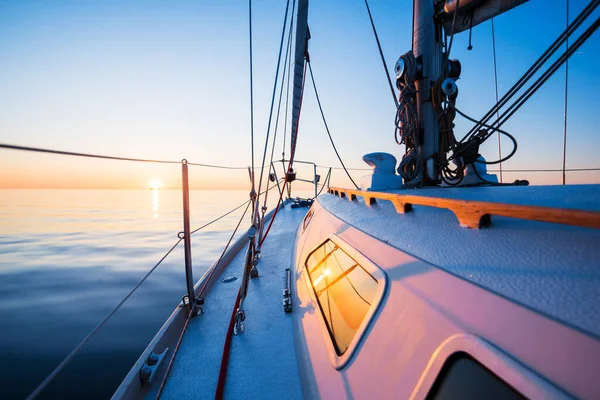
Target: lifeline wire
[
  {"x": 227, "y": 213},
  {"x": 72, "y": 354},
  {"x": 77, "y": 154}
]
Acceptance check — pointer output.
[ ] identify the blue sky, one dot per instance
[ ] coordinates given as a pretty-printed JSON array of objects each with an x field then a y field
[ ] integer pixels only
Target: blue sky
[{"x": 169, "y": 79}]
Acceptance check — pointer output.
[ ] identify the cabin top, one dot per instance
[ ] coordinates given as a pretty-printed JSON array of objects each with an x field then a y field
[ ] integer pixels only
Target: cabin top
[{"x": 551, "y": 268}]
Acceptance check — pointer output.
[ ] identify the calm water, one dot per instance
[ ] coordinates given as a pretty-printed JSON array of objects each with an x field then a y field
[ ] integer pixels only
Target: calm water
[{"x": 67, "y": 257}]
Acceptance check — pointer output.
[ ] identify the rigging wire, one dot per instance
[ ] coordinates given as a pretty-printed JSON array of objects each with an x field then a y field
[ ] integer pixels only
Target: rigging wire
[
  {"x": 385, "y": 68},
  {"x": 89, "y": 155},
  {"x": 287, "y": 89},
  {"x": 584, "y": 14},
  {"x": 564, "y": 160},
  {"x": 549, "y": 72},
  {"x": 496, "y": 85},
  {"x": 292, "y": 153},
  {"x": 273, "y": 95},
  {"x": 76, "y": 350},
  {"x": 251, "y": 97},
  {"x": 287, "y": 60},
  {"x": 327, "y": 127},
  {"x": 479, "y": 135}
]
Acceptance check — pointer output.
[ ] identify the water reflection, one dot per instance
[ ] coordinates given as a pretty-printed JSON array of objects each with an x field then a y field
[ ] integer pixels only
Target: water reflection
[{"x": 155, "y": 202}]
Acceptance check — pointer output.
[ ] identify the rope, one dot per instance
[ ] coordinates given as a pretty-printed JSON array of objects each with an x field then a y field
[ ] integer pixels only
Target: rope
[
  {"x": 385, "y": 68},
  {"x": 564, "y": 160},
  {"x": 327, "y": 127},
  {"x": 264, "y": 158},
  {"x": 226, "y": 350},
  {"x": 496, "y": 84},
  {"x": 508, "y": 135},
  {"x": 76, "y": 350},
  {"x": 327, "y": 179},
  {"x": 447, "y": 55}
]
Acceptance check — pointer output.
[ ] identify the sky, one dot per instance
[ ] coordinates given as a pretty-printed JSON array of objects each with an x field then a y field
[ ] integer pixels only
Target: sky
[{"x": 169, "y": 80}]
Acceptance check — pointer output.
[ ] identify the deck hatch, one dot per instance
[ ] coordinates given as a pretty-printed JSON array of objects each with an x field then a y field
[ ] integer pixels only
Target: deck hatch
[
  {"x": 344, "y": 290},
  {"x": 463, "y": 377}
]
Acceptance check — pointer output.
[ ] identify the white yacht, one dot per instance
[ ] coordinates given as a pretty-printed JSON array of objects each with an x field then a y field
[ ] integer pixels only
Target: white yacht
[{"x": 429, "y": 279}]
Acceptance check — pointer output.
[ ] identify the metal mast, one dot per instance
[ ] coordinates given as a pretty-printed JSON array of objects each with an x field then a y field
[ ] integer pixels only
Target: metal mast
[{"x": 428, "y": 48}]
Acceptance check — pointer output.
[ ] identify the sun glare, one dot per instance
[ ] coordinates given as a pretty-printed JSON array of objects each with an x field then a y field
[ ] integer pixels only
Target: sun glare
[{"x": 155, "y": 184}]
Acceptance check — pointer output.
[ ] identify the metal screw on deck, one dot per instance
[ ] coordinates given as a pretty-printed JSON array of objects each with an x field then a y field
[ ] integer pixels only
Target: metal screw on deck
[{"x": 186, "y": 236}]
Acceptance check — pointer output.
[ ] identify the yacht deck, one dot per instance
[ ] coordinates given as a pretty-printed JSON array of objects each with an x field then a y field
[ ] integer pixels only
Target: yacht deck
[{"x": 262, "y": 361}]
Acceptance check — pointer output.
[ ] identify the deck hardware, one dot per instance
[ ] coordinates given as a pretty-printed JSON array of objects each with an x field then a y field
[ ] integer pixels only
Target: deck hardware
[
  {"x": 255, "y": 254},
  {"x": 153, "y": 363},
  {"x": 198, "y": 303},
  {"x": 287, "y": 292},
  {"x": 229, "y": 279},
  {"x": 189, "y": 278},
  {"x": 240, "y": 317},
  {"x": 478, "y": 214}
]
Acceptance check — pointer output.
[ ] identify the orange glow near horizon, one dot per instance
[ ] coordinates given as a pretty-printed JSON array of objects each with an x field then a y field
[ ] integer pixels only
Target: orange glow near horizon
[
  {"x": 155, "y": 184},
  {"x": 41, "y": 171}
]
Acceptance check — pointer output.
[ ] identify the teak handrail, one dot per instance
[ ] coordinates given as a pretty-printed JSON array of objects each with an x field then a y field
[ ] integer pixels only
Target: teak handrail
[{"x": 477, "y": 214}]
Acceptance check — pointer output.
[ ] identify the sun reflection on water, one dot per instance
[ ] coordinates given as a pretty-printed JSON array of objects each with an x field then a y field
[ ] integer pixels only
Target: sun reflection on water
[{"x": 155, "y": 202}]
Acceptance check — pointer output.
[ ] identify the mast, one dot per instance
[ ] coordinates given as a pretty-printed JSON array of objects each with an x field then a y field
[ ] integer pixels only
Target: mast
[
  {"x": 428, "y": 48},
  {"x": 302, "y": 36}
]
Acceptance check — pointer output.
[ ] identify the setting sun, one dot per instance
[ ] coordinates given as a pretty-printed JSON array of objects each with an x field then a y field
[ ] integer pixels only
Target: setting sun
[{"x": 155, "y": 184}]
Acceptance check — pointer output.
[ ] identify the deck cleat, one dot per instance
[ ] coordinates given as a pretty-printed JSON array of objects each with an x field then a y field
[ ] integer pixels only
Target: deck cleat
[{"x": 240, "y": 316}]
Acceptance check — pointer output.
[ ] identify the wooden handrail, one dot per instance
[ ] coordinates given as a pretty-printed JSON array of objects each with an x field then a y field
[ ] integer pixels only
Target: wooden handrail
[{"x": 477, "y": 214}]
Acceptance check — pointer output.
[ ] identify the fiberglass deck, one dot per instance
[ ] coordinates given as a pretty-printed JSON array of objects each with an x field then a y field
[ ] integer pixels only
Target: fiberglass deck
[
  {"x": 551, "y": 268},
  {"x": 262, "y": 361}
]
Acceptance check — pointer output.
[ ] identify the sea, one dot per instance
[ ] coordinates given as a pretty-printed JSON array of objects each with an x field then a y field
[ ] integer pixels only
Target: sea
[{"x": 67, "y": 258}]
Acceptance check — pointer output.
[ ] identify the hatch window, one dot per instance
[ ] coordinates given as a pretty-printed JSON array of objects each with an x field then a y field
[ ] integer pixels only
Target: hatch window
[
  {"x": 344, "y": 290},
  {"x": 464, "y": 378}
]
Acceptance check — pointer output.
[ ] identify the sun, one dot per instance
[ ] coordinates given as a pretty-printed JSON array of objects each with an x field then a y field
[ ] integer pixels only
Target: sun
[{"x": 155, "y": 184}]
